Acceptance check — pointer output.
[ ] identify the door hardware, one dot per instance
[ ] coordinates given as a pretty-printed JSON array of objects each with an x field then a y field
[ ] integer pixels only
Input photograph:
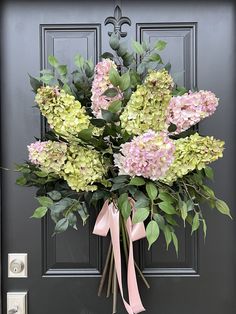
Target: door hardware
[
  {"x": 17, "y": 302},
  {"x": 17, "y": 265}
]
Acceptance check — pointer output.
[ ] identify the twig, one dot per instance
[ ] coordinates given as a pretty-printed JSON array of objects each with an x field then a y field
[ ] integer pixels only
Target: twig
[
  {"x": 104, "y": 271},
  {"x": 126, "y": 237},
  {"x": 114, "y": 292},
  {"x": 110, "y": 275}
]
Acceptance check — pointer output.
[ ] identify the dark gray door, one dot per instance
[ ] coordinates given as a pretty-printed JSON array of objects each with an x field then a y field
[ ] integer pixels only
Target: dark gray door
[{"x": 64, "y": 271}]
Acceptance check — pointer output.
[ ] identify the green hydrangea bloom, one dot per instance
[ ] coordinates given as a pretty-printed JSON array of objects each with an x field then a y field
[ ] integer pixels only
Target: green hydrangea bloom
[
  {"x": 193, "y": 152},
  {"x": 49, "y": 155},
  {"x": 147, "y": 106},
  {"x": 64, "y": 114},
  {"x": 83, "y": 167}
]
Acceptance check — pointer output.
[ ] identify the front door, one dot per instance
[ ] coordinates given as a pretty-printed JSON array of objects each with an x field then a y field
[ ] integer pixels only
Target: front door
[{"x": 64, "y": 271}]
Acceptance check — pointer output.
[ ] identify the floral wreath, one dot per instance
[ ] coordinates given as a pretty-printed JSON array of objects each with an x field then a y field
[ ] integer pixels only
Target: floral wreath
[{"x": 121, "y": 138}]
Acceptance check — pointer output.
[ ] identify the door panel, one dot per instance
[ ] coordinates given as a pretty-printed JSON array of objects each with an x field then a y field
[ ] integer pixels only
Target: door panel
[{"x": 64, "y": 270}]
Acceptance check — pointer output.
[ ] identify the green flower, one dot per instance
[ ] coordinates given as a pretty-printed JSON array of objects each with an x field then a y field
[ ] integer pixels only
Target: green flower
[
  {"x": 147, "y": 107},
  {"x": 83, "y": 168},
  {"x": 64, "y": 114},
  {"x": 193, "y": 152}
]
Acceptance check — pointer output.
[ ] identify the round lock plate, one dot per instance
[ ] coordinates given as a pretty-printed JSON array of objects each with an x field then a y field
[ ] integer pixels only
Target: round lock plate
[{"x": 16, "y": 266}]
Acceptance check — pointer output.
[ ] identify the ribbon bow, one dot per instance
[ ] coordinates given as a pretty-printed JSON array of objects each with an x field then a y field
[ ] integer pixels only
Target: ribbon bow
[{"x": 108, "y": 219}]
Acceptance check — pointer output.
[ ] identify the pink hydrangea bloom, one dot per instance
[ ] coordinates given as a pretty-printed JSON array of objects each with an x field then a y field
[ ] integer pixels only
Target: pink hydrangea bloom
[
  {"x": 187, "y": 110},
  {"x": 34, "y": 151},
  {"x": 149, "y": 155},
  {"x": 100, "y": 84}
]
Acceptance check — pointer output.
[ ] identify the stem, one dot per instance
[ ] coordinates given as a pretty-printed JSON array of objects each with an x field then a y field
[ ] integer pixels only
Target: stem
[
  {"x": 104, "y": 271},
  {"x": 110, "y": 275},
  {"x": 114, "y": 292}
]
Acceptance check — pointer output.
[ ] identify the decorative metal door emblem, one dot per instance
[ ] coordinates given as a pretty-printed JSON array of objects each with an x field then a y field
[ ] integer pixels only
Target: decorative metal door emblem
[{"x": 117, "y": 21}]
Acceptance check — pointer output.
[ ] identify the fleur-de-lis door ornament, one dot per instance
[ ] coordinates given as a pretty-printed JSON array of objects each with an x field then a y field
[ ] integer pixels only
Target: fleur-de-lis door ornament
[{"x": 117, "y": 21}]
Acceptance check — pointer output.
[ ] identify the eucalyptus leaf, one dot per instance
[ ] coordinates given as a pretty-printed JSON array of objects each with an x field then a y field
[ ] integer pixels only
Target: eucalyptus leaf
[
  {"x": 125, "y": 81},
  {"x": 137, "y": 47},
  {"x": 53, "y": 61},
  {"x": 62, "y": 225},
  {"x": 160, "y": 45},
  {"x": 196, "y": 222},
  {"x": 114, "y": 76},
  {"x": 223, "y": 208},
  {"x": 111, "y": 92},
  {"x": 114, "y": 41},
  {"x": 55, "y": 195},
  {"x": 115, "y": 106}
]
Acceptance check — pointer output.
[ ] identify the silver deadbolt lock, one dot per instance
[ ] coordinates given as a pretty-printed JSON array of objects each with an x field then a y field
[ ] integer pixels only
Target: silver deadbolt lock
[{"x": 17, "y": 266}]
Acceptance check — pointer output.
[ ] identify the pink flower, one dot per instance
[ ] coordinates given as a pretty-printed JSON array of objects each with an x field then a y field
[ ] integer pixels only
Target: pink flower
[
  {"x": 187, "y": 110},
  {"x": 149, "y": 155},
  {"x": 34, "y": 151},
  {"x": 100, "y": 84}
]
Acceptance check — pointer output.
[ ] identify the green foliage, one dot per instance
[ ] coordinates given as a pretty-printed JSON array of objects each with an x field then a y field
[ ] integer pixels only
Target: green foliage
[
  {"x": 140, "y": 215},
  {"x": 124, "y": 205},
  {"x": 151, "y": 191},
  {"x": 152, "y": 232}
]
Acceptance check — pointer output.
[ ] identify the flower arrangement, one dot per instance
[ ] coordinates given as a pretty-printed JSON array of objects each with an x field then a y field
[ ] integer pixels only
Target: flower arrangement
[{"x": 121, "y": 138}]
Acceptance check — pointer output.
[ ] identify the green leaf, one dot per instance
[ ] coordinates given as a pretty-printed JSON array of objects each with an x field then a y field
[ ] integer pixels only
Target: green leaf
[
  {"x": 122, "y": 50},
  {"x": 140, "y": 215},
  {"x": 196, "y": 222},
  {"x": 166, "y": 197},
  {"x": 160, "y": 45},
  {"x": 124, "y": 205},
  {"x": 54, "y": 195},
  {"x": 83, "y": 212},
  {"x": 114, "y": 77},
  {"x": 155, "y": 58},
  {"x": 183, "y": 210},
  {"x": 137, "y": 47},
  {"x": 171, "y": 220},
  {"x": 62, "y": 70},
  {"x": 151, "y": 190},
  {"x": 208, "y": 191},
  {"x": 209, "y": 172},
  {"x": 115, "y": 106},
  {"x": 152, "y": 232},
  {"x": 141, "y": 201},
  {"x": 176, "y": 243},
  {"x": 223, "y": 208},
  {"x": 120, "y": 179},
  {"x": 79, "y": 61},
  {"x": 127, "y": 59},
  {"x": 114, "y": 41},
  {"x": 98, "y": 122},
  {"x": 107, "y": 55},
  {"x": 40, "y": 212},
  {"x": 62, "y": 225},
  {"x": 172, "y": 128},
  {"x": 85, "y": 134},
  {"x": 167, "y": 67},
  {"x": 35, "y": 84},
  {"x": 62, "y": 205},
  {"x": 53, "y": 61},
  {"x": 125, "y": 81},
  {"x": 108, "y": 116},
  {"x": 72, "y": 219},
  {"x": 21, "y": 180},
  {"x": 138, "y": 181},
  {"x": 160, "y": 220},
  {"x": 110, "y": 92},
  {"x": 41, "y": 174},
  {"x": 167, "y": 208},
  {"x": 204, "y": 227},
  {"x": 45, "y": 201},
  {"x": 168, "y": 236}
]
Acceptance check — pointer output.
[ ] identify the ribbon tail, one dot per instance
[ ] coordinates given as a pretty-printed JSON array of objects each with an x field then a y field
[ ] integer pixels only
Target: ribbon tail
[
  {"x": 134, "y": 296},
  {"x": 115, "y": 238},
  {"x": 101, "y": 226}
]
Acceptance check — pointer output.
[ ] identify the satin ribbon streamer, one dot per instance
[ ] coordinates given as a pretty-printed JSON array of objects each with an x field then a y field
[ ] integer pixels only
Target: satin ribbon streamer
[{"x": 108, "y": 219}]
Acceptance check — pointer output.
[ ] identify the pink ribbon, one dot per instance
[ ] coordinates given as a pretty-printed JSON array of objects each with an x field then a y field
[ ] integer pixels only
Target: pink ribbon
[{"x": 108, "y": 219}]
